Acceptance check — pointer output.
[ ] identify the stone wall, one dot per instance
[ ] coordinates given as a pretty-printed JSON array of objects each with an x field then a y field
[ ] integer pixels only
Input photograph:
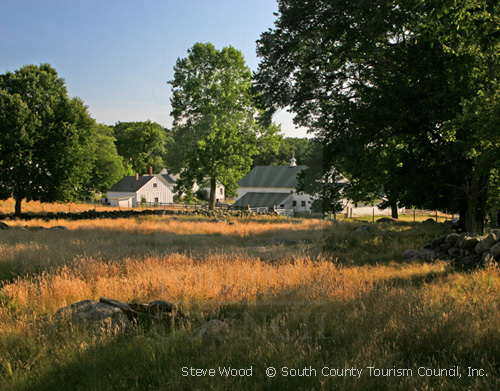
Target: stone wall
[
  {"x": 464, "y": 249},
  {"x": 117, "y": 214}
]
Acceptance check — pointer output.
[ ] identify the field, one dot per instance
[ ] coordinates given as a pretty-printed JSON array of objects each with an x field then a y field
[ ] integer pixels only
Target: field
[{"x": 327, "y": 308}]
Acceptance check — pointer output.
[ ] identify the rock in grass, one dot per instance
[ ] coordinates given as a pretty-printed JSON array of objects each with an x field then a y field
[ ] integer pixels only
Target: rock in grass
[
  {"x": 364, "y": 229},
  {"x": 213, "y": 329},
  {"x": 160, "y": 307},
  {"x": 124, "y": 307},
  {"x": 59, "y": 228},
  {"x": 424, "y": 254},
  {"x": 387, "y": 220},
  {"x": 99, "y": 316}
]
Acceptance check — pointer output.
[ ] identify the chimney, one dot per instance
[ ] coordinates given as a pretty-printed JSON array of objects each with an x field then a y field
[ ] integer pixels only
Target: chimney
[
  {"x": 136, "y": 176},
  {"x": 150, "y": 170}
]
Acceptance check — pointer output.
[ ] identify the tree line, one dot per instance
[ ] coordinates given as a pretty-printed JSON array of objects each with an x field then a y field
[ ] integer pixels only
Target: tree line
[
  {"x": 401, "y": 95},
  {"x": 52, "y": 150}
]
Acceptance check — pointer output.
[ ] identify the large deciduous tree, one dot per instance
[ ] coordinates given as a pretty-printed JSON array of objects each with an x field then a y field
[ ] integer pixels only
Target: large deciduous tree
[
  {"x": 215, "y": 132},
  {"x": 142, "y": 145},
  {"x": 44, "y": 137},
  {"x": 401, "y": 94},
  {"x": 108, "y": 166}
]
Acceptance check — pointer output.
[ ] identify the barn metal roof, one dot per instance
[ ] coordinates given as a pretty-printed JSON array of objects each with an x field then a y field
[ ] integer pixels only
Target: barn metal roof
[
  {"x": 272, "y": 176},
  {"x": 257, "y": 199}
]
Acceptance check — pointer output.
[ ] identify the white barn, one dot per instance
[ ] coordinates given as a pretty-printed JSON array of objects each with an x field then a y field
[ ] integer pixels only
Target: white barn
[
  {"x": 273, "y": 186},
  {"x": 130, "y": 191}
]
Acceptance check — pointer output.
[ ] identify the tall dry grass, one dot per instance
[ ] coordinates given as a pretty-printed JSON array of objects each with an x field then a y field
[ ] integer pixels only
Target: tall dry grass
[{"x": 296, "y": 303}]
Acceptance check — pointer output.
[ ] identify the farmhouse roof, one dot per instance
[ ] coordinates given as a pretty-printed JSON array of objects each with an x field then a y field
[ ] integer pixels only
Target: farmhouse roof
[
  {"x": 169, "y": 178},
  {"x": 131, "y": 184},
  {"x": 272, "y": 176},
  {"x": 257, "y": 199}
]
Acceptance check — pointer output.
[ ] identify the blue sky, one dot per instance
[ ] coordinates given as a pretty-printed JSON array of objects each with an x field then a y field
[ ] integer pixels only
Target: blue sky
[{"x": 118, "y": 55}]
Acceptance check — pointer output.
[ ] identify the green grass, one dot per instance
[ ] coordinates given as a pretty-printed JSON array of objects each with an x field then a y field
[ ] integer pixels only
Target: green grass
[{"x": 345, "y": 301}]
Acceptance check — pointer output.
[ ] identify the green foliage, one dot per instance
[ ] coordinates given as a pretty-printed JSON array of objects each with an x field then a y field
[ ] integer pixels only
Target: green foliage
[
  {"x": 108, "y": 167},
  {"x": 142, "y": 145},
  {"x": 46, "y": 137},
  {"x": 274, "y": 150},
  {"x": 215, "y": 133},
  {"x": 391, "y": 89},
  {"x": 324, "y": 181}
]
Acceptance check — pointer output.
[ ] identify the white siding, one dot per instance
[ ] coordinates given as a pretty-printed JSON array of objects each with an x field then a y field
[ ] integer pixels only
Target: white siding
[
  {"x": 121, "y": 199},
  {"x": 303, "y": 202},
  {"x": 150, "y": 192},
  {"x": 297, "y": 197}
]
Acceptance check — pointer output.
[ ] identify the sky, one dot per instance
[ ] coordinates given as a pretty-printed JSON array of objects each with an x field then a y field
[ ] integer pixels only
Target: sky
[{"x": 117, "y": 56}]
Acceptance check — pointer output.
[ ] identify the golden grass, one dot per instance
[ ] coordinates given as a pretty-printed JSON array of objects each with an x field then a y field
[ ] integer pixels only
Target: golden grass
[
  {"x": 392, "y": 314},
  {"x": 8, "y": 206},
  {"x": 218, "y": 278},
  {"x": 166, "y": 224}
]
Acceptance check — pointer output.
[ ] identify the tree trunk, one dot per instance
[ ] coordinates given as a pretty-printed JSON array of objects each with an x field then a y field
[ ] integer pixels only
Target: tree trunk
[
  {"x": 394, "y": 210},
  {"x": 213, "y": 190},
  {"x": 17, "y": 210},
  {"x": 471, "y": 216},
  {"x": 461, "y": 219}
]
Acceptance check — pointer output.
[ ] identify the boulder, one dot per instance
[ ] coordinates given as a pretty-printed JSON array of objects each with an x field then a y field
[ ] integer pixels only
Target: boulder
[
  {"x": 485, "y": 244},
  {"x": 124, "y": 307},
  {"x": 213, "y": 329},
  {"x": 386, "y": 220},
  {"x": 364, "y": 229},
  {"x": 495, "y": 250},
  {"x": 438, "y": 241},
  {"x": 445, "y": 247},
  {"x": 452, "y": 238},
  {"x": 467, "y": 242},
  {"x": 160, "y": 307},
  {"x": 59, "y": 228},
  {"x": 454, "y": 252},
  {"x": 471, "y": 260},
  {"x": 422, "y": 254},
  {"x": 97, "y": 315}
]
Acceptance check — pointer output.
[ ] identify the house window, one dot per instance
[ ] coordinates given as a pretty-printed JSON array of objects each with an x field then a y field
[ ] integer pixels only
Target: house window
[
  {"x": 156, "y": 200},
  {"x": 221, "y": 191},
  {"x": 302, "y": 203},
  {"x": 294, "y": 203},
  {"x": 282, "y": 206},
  {"x": 155, "y": 184}
]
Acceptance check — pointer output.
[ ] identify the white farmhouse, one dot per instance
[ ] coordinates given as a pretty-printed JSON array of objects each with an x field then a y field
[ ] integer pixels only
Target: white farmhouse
[
  {"x": 273, "y": 186},
  {"x": 130, "y": 191},
  {"x": 219, "y": 191}
]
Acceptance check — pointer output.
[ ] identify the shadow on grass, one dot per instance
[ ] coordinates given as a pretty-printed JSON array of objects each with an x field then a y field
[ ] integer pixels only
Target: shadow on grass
[{"x": 384, "y": 327}]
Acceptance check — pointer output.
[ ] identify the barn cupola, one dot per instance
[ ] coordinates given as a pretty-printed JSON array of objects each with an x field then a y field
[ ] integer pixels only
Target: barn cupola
[{"x": 293, "y": 162}]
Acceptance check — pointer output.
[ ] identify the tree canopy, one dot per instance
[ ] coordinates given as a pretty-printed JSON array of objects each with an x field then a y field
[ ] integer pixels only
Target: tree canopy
[
  {"x": 108, "y": 166},
  {"x": 142, "y": 145},
  {"x": 401, "y": 94},
  {"x": 215, "y": 132},
  {"x": 45, "y": 137}
]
